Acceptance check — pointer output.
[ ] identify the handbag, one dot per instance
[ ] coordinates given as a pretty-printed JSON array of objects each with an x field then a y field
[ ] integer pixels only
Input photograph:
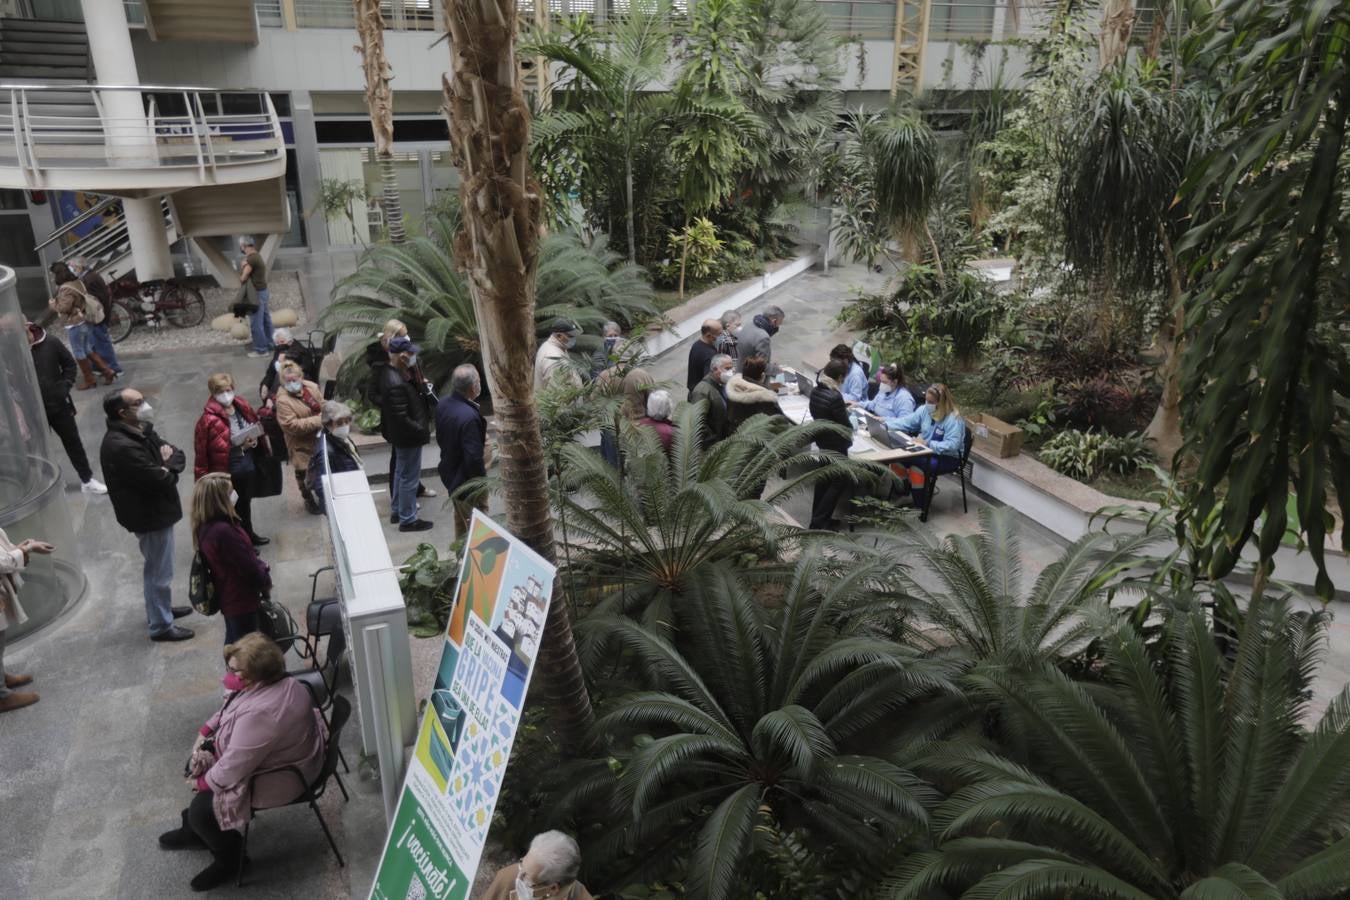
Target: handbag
[
  {"x": 246, "y": 301},
  {"x": 267, "y": 477},
  {"x": 276, "y": 621},
  {"x": 202, "y": 587}
]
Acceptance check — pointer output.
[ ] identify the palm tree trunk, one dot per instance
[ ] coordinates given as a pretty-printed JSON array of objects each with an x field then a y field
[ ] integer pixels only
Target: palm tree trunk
[
  {"x": 498, "y": 250},
  {"x": 684, "y": 255},
  {"x": 1113, "y": 41},
  {"x": 1165, "y": 427},
  {"x": 390, "y": 200},
  {"x": 632, "y": 243}
]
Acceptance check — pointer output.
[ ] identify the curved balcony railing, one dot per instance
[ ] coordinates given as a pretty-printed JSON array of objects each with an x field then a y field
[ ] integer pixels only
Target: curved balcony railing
[{"x": 180, "y": 138}]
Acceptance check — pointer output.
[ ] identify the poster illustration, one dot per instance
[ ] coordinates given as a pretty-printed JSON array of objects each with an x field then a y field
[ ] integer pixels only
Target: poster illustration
[{"x": 464, "y": 743}]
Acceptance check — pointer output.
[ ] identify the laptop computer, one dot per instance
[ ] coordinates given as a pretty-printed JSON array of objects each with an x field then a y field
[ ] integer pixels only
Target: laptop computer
[
  {"x": 892, "y": 440},
  {"x": 805, "y": 384}
]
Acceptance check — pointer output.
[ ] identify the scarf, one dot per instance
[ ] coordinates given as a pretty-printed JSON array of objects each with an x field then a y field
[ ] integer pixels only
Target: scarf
[{"x": 763, "y": 322}]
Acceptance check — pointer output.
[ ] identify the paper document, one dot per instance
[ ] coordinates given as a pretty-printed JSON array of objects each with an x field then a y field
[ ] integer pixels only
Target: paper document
[{"x": 252, "y": 432}]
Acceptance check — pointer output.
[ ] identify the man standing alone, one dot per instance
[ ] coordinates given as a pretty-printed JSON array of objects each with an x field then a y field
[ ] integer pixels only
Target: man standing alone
[
  {"x": 55, "y": 369},
  {"x": 703, "y": 351},
  {"x": 461, "y": 432},
  {"x": 551, "y": 362},
  {"x": 260, "y": 321},
  {"x": 404, "y": 424},
  {"x": 142, "y": 472}
]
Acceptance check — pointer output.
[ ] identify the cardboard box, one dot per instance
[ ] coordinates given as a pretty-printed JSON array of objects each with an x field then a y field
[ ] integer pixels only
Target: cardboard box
[{"x": 995, "y": 436}]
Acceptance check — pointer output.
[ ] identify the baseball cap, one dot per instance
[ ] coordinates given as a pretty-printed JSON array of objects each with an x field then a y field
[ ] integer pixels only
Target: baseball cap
[
  {"x": 564, "y": 326},
  {"x": 402, "y": 344}
]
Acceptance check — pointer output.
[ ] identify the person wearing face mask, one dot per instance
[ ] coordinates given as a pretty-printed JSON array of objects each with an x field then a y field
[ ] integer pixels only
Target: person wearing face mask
[
  {"x": 334, "y": 451},
  {"x": 659, "y": 410},
  {"x": 240, "y": 577},
  {"x": 287, "y": 347},
  {"x": 55, "y": 369},
  {"x": 405, "y": 422},
  {"x": 756, "y": 339},
  {"x": 728, "y": 342},
  {"x": 217, "y": 445},
  {"x": 607, "y": 354},
  {"x": 299, "y": 404},
  {"x": 377, "y": 360},
  {"x": 749, "y": 396},
  {"x": 939, "y": 426},
  {"x": 97, "y": 287},
  {"x": 826, "y": 404},
  {"x": 242, "y": 757},
  {"x": 854, "y": 385},
  {"x": 702, "y": 351},
  {"x": 712, "y": 391},
  {"x": 551, "y": 362},
  {"x": 547, "y": 872},
  {"x": 141, "y": 470},
  {"x": 461, "y": 433},
  {"x": 893, "y": 399}
]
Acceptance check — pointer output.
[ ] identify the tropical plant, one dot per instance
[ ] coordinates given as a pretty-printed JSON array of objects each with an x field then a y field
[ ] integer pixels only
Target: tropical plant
[
  {"x": 417, "y": 282},
  {"x": 1085, "y": 455},
  {"x": 340, "y": 197},
  {"x": 754, "y": 714},
  {"x": 1186, "y": 778},
  {"x": 427, "y": 582},
  {"x": 1270, "y": 280},
  {"x": 698, "y": 247},
  {"x": 642, "y": 536},
  {"x": 499, "y": 249},
  {"x": 970, "y": 587},
  {"x": 380, "y": 105}
]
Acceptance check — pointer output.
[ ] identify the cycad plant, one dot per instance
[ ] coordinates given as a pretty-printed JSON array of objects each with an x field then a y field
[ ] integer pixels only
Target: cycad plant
[
  {"x": 417, "y": 282},
  {"x": 752, "y": 714},
  {"x": 1184, "y": 777},
  {"x": 639, "y": 539}
]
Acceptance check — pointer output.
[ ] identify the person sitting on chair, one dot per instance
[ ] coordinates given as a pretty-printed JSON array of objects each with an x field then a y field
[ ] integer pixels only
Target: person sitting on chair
[
  {"x": 854, "y": 385},
  {"x": 893, "y": 399},
  {"x": 334, "y": 451},
  {"x": 268, "y": 722},
  {"x": 938, "y": 426}
]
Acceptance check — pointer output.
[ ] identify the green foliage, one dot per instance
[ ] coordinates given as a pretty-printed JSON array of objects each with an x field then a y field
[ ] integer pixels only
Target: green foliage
[
  {"x": 428, "y": 583},
  {"x": 366, "y": 418},
  {"x": 699, "y": 246},
  {"x": 1085, "y": 455},
  {"x": 1269, "y": 256}
]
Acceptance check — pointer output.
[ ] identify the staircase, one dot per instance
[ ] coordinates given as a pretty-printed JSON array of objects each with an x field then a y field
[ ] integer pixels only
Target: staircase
[
  {"x": 42, "y": 51},
  {"x": 108, "y": 248}
]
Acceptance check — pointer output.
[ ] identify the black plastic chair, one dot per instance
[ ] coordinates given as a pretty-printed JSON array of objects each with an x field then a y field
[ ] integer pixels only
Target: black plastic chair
[
  {"x": 960, "y": 470},
  {"x": 310, "y": 791},
  {"x": 322, "y": 690}
]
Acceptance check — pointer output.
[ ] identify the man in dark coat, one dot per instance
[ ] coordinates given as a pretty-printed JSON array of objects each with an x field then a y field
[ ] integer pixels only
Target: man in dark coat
[
  {"x": 461, "y": 432},
  {"x": 405, "y": 424},
  {"x": 142, "y": 472},
  {"x": 712, "y": 391},
  {"x": 377, "y": 360},
  {"x": 756, "y": 339},
  {"x": 56, "y": 374},
  {"x": 827, "y": 405},
  {"x": 702, "y": 352}
]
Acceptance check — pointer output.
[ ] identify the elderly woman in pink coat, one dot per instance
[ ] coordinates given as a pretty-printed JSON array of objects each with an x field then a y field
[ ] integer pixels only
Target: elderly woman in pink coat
[{"x": 268, "y": 721}]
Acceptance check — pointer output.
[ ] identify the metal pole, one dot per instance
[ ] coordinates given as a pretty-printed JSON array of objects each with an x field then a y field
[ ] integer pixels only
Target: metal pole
[{"x": 381, "y": 685}]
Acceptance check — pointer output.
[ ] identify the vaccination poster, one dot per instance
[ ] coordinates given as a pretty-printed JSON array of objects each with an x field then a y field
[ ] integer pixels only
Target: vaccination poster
[{"x": 459, "y": 759}]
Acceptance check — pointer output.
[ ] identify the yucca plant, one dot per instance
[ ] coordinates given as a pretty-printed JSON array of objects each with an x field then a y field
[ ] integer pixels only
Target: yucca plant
[
  {"x": 1188, "y": 779},
  {"x": 640, "y": 539},
  {"x": 756, "y": 714},
  {"x": 970, "y": 588},
  {"x": 416, "y": 282}
]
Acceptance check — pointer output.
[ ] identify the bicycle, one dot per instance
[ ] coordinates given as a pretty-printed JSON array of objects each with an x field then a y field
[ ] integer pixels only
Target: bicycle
[{"x": 152, "y": 303}]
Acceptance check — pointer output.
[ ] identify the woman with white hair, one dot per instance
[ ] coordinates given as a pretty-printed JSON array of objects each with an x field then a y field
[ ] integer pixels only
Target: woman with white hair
[
  {"x": 334, "y": 451},
  {"x": 547, "y": 872},
  {"x": 659, "y": 410}
]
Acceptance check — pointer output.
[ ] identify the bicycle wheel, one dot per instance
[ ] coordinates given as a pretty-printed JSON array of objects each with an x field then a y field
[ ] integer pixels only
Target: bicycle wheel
[
  {"x": 118, "y": 321},
  {"x": 182, "y": 305}
]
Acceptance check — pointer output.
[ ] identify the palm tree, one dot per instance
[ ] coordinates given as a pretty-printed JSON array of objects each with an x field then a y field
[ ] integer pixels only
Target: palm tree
[
  {"x": 970, "y": 588},
  {"x": 754, "y": 713},
  {"x": 380, "y": 104},
  {"x": 609, "y": 113},
  {"x": 643, "y": 538},
  {"x": 1182, "y": 778},
  {"x": 498, "y": 249},
  {"x": 418, "y": 283}
]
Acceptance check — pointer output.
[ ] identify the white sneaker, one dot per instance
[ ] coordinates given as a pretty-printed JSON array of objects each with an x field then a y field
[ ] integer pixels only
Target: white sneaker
[
  {"x": 254, "y": 354},
  {"x": 94, "y": 486}
]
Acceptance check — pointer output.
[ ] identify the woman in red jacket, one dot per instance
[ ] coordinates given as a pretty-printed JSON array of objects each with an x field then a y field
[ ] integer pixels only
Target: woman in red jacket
[
  {"x": 216, "y": 449},
  {"x": 240, "y": 577}
]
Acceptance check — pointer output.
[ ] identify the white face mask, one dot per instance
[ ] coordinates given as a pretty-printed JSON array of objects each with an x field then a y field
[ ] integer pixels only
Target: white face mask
[
  {"x": 726, "y": 375},
  {"x": 294, "y": 387},
  {"x": 277, "y": 365},
  {"x": 523, "y": 889},
  {"x": 931, "y": 407},
  {"x": 412, "y": 360},
  {"x": 225, "y": 398},
  {"x": 234, "y": 497},
  {"x": 145, "y": 412},
  {"x": 342, "y": 430}
]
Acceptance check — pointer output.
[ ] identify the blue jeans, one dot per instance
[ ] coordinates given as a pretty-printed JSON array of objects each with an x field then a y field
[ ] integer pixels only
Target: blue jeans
[
  {"x": 260, "y": 324},
  {"x": 403, "y": 489},
  {"x": 103, "y": 346},
  {"x": 81, "y": 339},
  {"x": 157, "y": 578}
]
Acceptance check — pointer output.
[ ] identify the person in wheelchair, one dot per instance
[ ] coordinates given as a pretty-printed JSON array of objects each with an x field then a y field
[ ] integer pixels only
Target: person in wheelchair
[{"x": 268, "y": 723}]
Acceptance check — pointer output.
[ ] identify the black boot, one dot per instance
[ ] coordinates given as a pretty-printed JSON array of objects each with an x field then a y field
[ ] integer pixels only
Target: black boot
[
  {"x": 182, "y": 838},
  {"x": 213, "y": 876}
]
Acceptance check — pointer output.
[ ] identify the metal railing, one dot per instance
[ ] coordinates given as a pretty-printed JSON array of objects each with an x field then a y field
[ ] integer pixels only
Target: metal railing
[
  {"x": 399, "y": 15},
  {"x": 193, "y": 139},
  {"x": 108, "y": 241}
]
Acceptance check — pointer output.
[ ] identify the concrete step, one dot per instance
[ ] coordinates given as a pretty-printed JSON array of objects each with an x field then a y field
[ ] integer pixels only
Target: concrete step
[
  {"x": 41, "y": 72},
  {"x": 44, "y": 26}
]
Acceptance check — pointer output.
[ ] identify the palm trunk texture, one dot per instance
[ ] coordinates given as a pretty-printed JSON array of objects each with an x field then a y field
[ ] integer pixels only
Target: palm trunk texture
[
  {"x": 380, "y": 104},
  {"x": 498, "y": 250}
]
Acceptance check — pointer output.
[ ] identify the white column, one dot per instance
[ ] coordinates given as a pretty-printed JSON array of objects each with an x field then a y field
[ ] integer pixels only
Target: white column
[{"x": 145, "y": 229}]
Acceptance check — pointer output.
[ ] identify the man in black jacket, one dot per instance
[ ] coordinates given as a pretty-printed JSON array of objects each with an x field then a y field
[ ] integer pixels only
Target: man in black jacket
[
  {"x": 56, "y": 376},
  {"x": 405, "y": 424},
  {"x": 461, "y": 432},
  {"x": 702, "y": 352},
  {"x": 827, "y": 405},
  {"x": 142, "y": 472}
]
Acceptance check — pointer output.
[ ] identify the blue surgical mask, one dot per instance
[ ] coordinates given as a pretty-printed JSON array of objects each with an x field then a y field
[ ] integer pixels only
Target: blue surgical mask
[
  {"x": 294, "y": 387},
  {"x": 571, "y": 342},
  {"x": 932, "y": 408}
]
